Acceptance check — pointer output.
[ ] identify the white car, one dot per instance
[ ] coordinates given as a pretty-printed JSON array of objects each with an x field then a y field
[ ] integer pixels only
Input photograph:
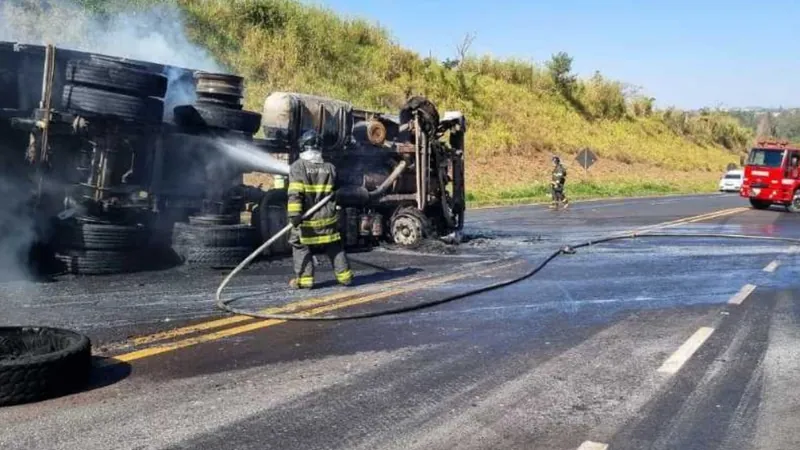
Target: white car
[{"x": 731, "y": 181}]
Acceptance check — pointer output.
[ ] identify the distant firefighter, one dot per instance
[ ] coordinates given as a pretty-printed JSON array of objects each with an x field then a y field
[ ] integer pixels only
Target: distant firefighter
[{"x": 559, "y": 179}]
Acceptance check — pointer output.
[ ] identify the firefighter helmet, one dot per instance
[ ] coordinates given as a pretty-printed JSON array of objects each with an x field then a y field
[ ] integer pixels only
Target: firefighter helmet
[{"x": 308, "y": 139}]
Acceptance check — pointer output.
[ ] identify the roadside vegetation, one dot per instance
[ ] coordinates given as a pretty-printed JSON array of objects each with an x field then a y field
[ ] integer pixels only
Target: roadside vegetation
[{"x": 519, "y": 113}]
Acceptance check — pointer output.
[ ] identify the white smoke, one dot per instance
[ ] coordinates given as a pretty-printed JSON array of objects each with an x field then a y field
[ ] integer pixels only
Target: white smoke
[{"x": 155, "y": 34}]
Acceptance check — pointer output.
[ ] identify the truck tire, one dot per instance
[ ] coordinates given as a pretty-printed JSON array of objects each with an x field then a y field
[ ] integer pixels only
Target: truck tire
[
  {"x": 100, "y": 262},
  {"x": 121, "y": 79},
  {"x": 760, "y": 204},
  {"x": 215, "y": 257},
  {"x": 38, "y": 363},
  {"x": 225, "y": 101},
  {"x": 99, "y": 236},
  {"x": 215, "y": 219},
  {"x": 111, "y": 61},
  {"x": 215, "y": 236},
  {"x": 794, "y": 205},
  {"x": 410, "y": 227},
  {"x": 97, "y": 102},
  {"x": 272, "y": 217},
  {"x": 213, "y": 116}
]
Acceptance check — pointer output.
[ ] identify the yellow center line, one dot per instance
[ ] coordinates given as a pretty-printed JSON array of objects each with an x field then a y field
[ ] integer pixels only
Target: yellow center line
[
  {"x": 168, "y": 347},
  {"x": 291, "y": 307},
  {"x": 355, "y": 299},
  {"x": 685, "y": 220}
]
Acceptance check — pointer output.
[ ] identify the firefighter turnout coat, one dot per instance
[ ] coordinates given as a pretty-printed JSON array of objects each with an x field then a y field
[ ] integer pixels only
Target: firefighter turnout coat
[{"x": 309, "y": 183}]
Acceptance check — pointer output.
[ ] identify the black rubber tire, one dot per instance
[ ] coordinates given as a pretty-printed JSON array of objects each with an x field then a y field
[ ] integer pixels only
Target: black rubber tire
[
  {"x": 97, "y": 102},
  {"x": 215, "y": 236},
  {"x": 62, "y": 367},
  {"x": 110, "y": 61},
  {"x": 225, "y": 101},
  {"x": 213, "y": 116},
  {"x": 138, "y": 83},
  {"x": 272, "y": 217},
  {"x": 760, "y": 204},
  {"x": 101, "y": 262},
  {"x": 214, "y": 220},
  {"x": 794, "y": 205},
  {"x": 96, "y": 236},
  {"x": 215, "y": 257}
]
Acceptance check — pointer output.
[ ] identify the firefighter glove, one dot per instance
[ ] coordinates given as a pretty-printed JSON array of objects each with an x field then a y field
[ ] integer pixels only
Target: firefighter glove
[{"x": 296, "y": 220}]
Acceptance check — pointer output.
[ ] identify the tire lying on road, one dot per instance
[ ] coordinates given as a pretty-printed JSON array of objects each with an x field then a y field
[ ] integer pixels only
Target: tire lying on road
[
  {"x": 38, "y": 363},
  {"x": 100, "y": 262},
  {"x": 98, "y": 102},
  {"x": 119, "y": 78},
  {"x": 215, "y": 257},
  {"x": 213, "y": 116},
  {"x": 239, "y": 235}
]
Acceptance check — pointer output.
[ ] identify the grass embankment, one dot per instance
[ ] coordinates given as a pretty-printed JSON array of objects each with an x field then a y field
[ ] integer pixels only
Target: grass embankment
[{"x": 518, "y": 114}]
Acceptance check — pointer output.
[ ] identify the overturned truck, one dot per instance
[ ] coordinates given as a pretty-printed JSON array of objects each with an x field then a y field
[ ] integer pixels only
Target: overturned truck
[{"x": 116, "y": 165}]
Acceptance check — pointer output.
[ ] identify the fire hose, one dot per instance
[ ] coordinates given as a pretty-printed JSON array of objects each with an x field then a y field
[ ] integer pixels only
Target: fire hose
[{"x": 567, "y": 249}]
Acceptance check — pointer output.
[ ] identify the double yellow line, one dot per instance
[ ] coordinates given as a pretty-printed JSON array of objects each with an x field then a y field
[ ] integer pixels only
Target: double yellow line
[
  {"x": 317, "y": 306},
  {"x": 321, "y": 305},
  {"x": 685, "y": 220}
]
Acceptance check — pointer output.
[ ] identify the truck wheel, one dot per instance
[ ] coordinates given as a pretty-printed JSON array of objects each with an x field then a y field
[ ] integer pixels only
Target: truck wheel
[
  {"x": 37, "y": 363},
  {"x": 101, "y": 262},
  {"x": 215, "y": 219},
  {"x": 410, "y": 227},
  {"x": 97, "y": 102},
  {"x": 216, "y": 257},
  {"x": 215, "y": 236},
  {"x": 213, "y": 116},
  {"x": 760, "y": 204},
  {"x": 794, "y": 206},
  {"x": 100, "y": 236},
  {"x": 125, "y": 80}
]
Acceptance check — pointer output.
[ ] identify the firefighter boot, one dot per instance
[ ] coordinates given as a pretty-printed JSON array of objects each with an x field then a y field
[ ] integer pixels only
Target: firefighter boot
[{"x": 301, "y": 283}]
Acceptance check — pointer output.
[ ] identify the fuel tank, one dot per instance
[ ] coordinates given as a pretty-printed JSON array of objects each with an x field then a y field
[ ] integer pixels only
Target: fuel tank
[{"x": 287, "y": 115}]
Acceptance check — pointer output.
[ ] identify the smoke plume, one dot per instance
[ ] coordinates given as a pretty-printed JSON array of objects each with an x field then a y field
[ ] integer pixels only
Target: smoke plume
[{"x": 155, "y": 35}]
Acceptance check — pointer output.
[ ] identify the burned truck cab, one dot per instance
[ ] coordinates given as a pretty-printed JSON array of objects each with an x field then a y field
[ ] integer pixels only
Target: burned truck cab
[{"x": 401, "y": 175}]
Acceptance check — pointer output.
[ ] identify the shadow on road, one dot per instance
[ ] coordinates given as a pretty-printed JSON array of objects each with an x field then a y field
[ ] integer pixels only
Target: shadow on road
[{"x": 106, "y": 371}]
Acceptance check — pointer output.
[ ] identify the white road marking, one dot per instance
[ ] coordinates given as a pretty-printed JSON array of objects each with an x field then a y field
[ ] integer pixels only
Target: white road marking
[
  {"x": 743, "y": 293},
  {"x": 676, "y": 361},
  {"x": 589, "y": 445},
  {"x": 771, "y": 267}
]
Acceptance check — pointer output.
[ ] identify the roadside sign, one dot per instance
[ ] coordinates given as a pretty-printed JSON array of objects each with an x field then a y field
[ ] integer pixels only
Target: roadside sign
[{"x": 586, "y": 158}]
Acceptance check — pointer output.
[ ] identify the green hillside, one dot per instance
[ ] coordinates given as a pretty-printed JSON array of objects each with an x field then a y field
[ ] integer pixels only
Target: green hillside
[{"x": 518, "y": 114}]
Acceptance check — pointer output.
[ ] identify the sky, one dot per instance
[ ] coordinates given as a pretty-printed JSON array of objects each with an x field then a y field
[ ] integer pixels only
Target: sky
[{"x": 688, "y": 54}]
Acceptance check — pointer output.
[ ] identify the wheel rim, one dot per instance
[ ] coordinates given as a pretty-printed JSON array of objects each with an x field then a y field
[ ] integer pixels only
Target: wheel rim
[
  {"x": 795, "y": 205},
  {"x": 407, "y": 231}
]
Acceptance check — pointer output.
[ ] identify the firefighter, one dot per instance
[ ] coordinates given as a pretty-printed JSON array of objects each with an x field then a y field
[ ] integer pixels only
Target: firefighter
[
  {"x": 794, "y": 171},
  {"x": 310, "y": 180},
  {"x": 559, "y": 178}
]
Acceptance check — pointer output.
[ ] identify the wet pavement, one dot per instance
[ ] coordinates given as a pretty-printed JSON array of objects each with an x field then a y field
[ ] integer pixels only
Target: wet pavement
[{"x": 664, "y": 343}]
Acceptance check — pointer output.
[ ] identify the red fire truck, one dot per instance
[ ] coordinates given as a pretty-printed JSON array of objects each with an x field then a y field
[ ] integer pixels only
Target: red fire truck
[{"x": 772, "y": 175}]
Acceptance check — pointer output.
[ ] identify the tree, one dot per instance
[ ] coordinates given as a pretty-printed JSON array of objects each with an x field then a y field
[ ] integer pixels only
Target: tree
[
  {"x": 462, "y": 49},
  {"x": 560, "y": 69}
]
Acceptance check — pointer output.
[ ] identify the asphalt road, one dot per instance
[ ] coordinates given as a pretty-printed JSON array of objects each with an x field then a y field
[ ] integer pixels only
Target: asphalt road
[{"x": 662, "y": 343}]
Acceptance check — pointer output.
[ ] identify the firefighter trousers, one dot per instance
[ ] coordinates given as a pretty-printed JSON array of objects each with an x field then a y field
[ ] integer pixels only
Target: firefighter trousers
[
  {"x": 557, "y": 191},
  {"x": 304, "y": 264}
]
